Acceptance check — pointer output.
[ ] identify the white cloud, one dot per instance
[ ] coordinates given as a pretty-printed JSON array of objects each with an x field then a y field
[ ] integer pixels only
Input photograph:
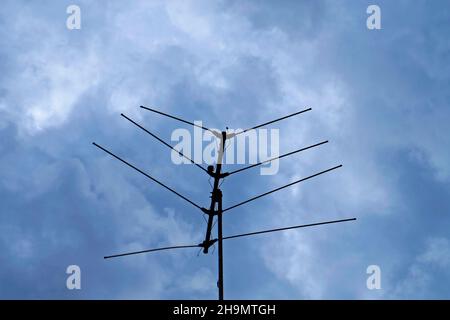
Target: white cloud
[
  {"x": 426, "y": 269},
  {"x": 437, "y": 253},
  {"x": 50, "y": 74},
  {"x": 201, "y": 281},
  {"x": 293, "y": 259}
]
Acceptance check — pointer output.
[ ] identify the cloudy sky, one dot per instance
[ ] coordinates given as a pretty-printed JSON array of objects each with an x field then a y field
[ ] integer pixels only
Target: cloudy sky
[{"x": 381, "y": 97}]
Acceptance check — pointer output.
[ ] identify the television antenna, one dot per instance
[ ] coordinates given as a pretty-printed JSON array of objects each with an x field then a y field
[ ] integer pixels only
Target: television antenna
[{"x": 215, "y": 208}]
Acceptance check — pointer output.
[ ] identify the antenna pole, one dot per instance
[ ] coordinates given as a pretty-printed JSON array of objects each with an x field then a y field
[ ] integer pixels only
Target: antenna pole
[
  {"x": 219, "y": 240},
  {"x": 215, "y": 194},
  {"x": 216, "y": 198}
]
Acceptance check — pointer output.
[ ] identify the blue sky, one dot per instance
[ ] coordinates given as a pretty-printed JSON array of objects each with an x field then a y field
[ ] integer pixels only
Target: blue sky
[{"x": 381, "y": 97}]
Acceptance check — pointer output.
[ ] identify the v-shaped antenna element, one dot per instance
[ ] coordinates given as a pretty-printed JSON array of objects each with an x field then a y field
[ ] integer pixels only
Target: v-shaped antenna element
[
  {"x": 177, "y": 118},
  {"x": 280, "y": 188},
  {"x": 148, "y": 176},
  {"x": 163, "y": 142},
  {"x": 273, "y": 121},
  {"x": 279, "y": 157}
]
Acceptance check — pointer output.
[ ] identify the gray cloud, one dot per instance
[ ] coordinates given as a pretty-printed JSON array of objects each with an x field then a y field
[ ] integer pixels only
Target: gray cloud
[{"x": 380, "y": 97}]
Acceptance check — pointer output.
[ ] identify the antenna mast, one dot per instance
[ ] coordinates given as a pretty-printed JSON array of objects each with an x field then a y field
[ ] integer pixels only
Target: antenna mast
[{"x": 215, "y": 207}]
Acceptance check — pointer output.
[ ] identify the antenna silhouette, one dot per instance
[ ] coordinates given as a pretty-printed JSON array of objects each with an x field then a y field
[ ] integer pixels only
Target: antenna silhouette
[{"x": 215, "y": 208}]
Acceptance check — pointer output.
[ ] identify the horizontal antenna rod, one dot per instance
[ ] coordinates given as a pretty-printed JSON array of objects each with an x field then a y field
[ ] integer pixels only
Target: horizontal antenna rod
[
  {"x": 279, "y": 119},
  {"x": 282, "y": 156},
  {"x": 277, "y": 189},
  {"x": 287, "y": 228},
  {"x": 148, "y": 176},
  {"x": 176, "y": 118},
  {"x": 230, "y": 237},
  {"x": 150, "y": 250},
  {"x": 163, "y": 142}
]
